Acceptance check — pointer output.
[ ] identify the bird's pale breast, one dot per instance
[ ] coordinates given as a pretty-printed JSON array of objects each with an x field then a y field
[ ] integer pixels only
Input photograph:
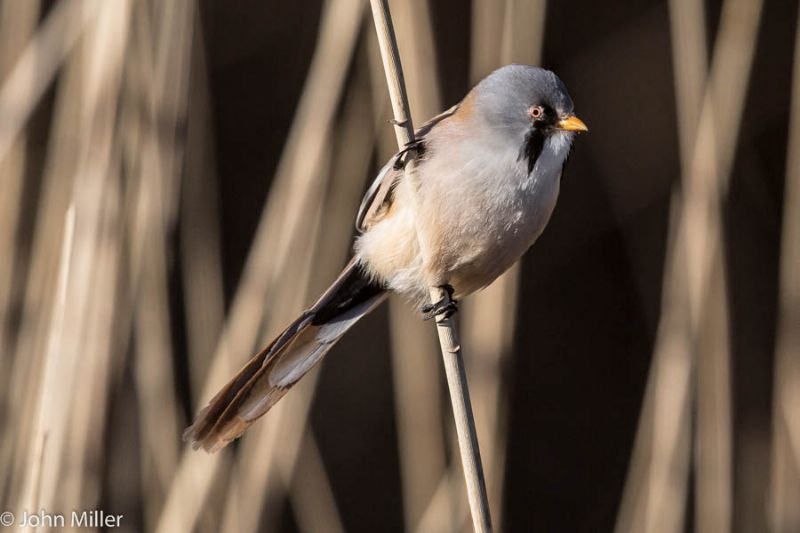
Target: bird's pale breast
[{"x": 478, "y": 211}]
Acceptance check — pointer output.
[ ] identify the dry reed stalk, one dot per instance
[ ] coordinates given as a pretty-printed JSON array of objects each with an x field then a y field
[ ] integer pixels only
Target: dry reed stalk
[
  {"x": 261, "y": 453},
  {"x": 448, "y": 335},
  {"x": 486, "y": 41},
  {"x": 49, "y": 381},
  {"x": 670, "y": 366},
  {"x": 718, "y": 127},
  {"x": 55, "y": 38},
  {"x": 36, "y": 67},
  {"x": 523, "y": 31},
  {"x": 444, "y": 512},
  {"x": 689, "y": 52},
  {"x": 659, "y": 475},
  {"x": 163, "y": 48},
  {"x": 417, "y": 393},
  {"x": 84, "y": 326},
  {"x": 201, "y": 259},
  {"x": 714, "y": 431},
  {"x": 273, "y": 473},
  {"x": 352, "y": 146},
  {"x": 420, "y": 426},
  {"x": 282, "y": 432},
  {"x": 784, "y": 492},
  {"x": 415, "y": 371},
  {"x": 80, "y": 484},
  {"x": 713, "y": 397},
  {"x": 17, "y": 24},
  {"x": 662, "y": 441},
  {"x": 313, "y": 503},
  {"x": 317, "y": 264},
  {"x": 294, "y": 192},
  {"x": 415, "y": 35}
]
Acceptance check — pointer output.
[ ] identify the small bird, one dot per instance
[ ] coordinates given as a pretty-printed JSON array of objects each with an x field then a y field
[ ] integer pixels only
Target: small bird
[{"x": 488, "y": 173}]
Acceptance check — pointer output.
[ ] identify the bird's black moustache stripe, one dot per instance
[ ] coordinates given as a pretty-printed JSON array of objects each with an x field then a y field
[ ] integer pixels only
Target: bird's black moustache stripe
[{"x": 532, "y": 147}]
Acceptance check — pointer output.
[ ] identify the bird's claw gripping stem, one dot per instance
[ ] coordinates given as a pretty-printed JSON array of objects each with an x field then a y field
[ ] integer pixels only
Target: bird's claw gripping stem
[{"x": 446, "y": 306}]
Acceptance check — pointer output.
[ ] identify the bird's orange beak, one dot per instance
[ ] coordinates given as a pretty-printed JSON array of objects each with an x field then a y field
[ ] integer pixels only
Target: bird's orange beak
[{"x": 571, "y": 123}]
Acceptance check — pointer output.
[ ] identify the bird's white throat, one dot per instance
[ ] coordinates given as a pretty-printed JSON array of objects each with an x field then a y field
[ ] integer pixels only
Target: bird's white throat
[{"x": 554, "y": 154}]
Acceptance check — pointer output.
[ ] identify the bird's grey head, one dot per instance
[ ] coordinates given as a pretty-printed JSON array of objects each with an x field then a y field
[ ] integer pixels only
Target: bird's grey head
[{"x": 528, "y": 104}]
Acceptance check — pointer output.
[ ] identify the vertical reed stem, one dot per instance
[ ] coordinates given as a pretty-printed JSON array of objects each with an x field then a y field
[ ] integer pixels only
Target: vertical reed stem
[{"x": 448, "y": 334}]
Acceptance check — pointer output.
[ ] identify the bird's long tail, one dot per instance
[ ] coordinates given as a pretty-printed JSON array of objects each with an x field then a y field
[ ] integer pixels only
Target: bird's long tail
[{"x": 274, "y": 370}]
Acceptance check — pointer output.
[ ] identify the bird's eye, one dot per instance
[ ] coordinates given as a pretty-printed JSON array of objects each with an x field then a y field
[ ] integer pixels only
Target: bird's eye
[{"x": 536, "y": 112}]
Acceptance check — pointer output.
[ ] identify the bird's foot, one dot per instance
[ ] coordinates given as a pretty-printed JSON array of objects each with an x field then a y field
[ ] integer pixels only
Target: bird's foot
[{"x": 445, "y": 307}]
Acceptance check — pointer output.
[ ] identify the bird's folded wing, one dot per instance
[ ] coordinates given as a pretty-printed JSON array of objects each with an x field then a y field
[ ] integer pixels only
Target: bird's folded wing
[{"x": 379, "y": 196}]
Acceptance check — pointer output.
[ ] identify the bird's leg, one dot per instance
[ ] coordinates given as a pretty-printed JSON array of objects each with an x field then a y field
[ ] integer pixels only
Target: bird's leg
[{"x": 447, "y": 306}]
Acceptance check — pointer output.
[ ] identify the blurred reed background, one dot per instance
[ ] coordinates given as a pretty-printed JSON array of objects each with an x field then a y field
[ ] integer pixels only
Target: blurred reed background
[{"x": 178, "y": 179}]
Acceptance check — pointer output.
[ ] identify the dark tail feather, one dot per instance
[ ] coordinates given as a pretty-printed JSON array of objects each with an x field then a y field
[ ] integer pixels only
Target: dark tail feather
[{"x": 273, "y": 371}]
